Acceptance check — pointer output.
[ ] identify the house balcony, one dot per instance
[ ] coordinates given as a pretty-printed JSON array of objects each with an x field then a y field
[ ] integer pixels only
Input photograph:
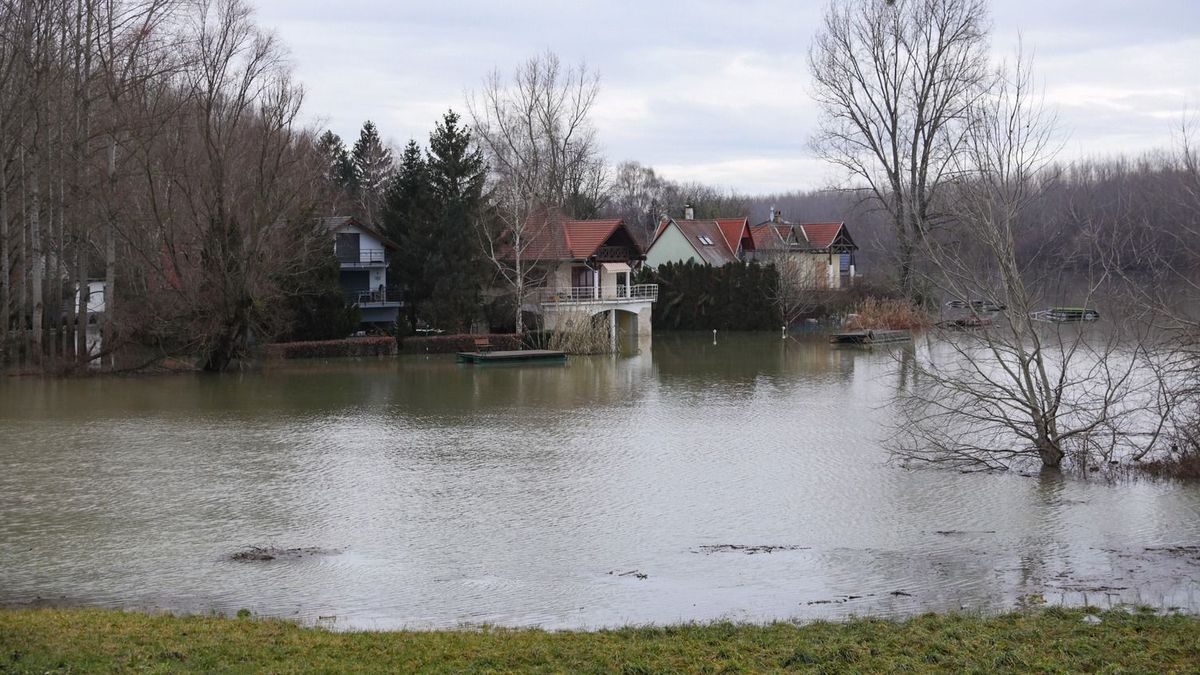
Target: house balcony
[
  {"x": 363, "y": 258},
  {"x": 389, "y": 297},
  {"x": 602, "y": 294}
]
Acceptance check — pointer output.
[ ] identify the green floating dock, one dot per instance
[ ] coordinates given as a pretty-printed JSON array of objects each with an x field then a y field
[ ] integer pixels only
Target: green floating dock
[{"x": 521, "y": 356}]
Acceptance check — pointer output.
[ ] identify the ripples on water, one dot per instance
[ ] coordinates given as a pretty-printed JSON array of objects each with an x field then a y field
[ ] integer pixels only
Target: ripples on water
[{"x": 521, "y": 495}]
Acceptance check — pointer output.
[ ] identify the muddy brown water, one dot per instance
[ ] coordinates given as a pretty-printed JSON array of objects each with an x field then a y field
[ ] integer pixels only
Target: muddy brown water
[{"x": 743, "y": 480}]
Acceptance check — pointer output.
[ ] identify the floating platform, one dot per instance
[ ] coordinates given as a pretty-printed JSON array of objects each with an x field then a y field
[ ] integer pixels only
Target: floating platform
[
  {"x": 520, "y": 356},
  {"x": 1066, "y": 314},
  {"x": 870, "y": 337}
]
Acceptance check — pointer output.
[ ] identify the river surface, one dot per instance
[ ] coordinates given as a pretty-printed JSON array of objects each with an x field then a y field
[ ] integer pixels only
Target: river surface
[{"x": 611, "y": 490}]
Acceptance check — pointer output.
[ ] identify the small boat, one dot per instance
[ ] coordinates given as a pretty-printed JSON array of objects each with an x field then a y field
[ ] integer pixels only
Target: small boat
[
  {"x": 969, "y": 323},
  {"x": 1066, "y": 314},
  {"x": 870, "y": 337}
]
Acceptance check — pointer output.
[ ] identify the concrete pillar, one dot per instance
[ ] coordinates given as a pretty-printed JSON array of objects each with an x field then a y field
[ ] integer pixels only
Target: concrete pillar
[{"x": 612, "y": 328}]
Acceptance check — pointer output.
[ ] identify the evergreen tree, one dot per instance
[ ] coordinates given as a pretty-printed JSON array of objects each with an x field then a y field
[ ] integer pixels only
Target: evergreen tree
[
  {"x": 457, "y": 173},
  {"x": 372, "y": 163},
  {"x": 340, "y": 177},
  {"x": 407, "y": 217}
]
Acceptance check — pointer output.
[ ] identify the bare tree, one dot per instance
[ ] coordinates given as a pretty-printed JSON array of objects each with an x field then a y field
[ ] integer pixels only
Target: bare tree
[
  {"x": 1024, "y": 388},
  {"x": 894, "y": 80},
  {"x": 543, "y": 155},
  {"x": 801, "y": 288}
]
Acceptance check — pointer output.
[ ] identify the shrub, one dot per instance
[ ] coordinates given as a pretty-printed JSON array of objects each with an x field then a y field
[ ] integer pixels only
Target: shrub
[
  {"x": 330, "y": 349},
  {"x": 1177, "y": 464},
  {"x": 692, "y": 296},
  {"x": 447, "y": 344},
  {"x": 887, "y": 313}
]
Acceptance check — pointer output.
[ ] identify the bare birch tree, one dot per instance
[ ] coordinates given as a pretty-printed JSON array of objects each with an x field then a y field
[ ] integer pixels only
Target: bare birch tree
[
  {"x": 894, "y": 80},
  {"x": 542, "y": 151},
  {"x": 1023, "y": 389}
]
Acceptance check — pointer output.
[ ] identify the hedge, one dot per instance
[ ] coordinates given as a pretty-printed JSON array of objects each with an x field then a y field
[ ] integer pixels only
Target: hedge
[
  {"x": 328, "y": 349},
  {"x": 445, "y": 344}
]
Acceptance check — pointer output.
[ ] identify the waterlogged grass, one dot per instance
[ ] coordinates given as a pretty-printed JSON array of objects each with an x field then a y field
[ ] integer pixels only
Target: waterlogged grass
[{"x": 1051, "y": 641}]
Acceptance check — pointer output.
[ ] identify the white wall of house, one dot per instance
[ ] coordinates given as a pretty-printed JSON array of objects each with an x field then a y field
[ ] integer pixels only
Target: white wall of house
[
  {"x": 366, "y": 241},
  {"x": 671, "y": 246},
  {"x": 95, "y": 297}
]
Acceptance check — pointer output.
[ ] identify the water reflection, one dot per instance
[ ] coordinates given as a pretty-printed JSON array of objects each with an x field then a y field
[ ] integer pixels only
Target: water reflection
[{"x": 465, "y": 494}]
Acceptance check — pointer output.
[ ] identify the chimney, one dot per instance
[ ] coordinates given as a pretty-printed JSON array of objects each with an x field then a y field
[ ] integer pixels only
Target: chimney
[
  {"x": 776, "y": 216},
  {"x": 688, "y": 212},
  {"x": 772, "y": 218}
]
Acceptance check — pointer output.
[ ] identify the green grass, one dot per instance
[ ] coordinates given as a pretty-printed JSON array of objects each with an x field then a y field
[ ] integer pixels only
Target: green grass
[{"x": 1047, "y": 641}]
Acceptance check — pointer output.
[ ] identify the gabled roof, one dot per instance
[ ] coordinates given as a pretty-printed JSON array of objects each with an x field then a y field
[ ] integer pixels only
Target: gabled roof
[
  {"x": 821, "y": 235},
  {"x": 715, "y": 241},
  {"x": 336, "y": 223},
  {"x": 804, "y": 236},
  {"x": 554, "y": 236},
  {"x": 734, "y": 231}
]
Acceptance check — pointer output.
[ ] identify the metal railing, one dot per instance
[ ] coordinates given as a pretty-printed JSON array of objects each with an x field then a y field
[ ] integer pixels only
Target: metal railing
[
  {"x": 374, "y": 297},
  {"x": 594, "y": 294},
  {"x": 366, "y": 256}
]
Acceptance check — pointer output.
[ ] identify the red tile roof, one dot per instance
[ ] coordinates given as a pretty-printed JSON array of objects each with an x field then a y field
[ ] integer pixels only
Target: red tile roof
[
  {"x": 734, "y": 230},
  {"x": 719, "y": 252},
  {"x": 820, "y": 235},
  {"x": 553, "y": 236}
]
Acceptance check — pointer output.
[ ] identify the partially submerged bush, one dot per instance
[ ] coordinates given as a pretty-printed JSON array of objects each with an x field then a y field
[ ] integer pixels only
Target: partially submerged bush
[
  {"x": 1178, "y": 464},
  {"x": 463, "y": 342},
  {"x": 580, "y": 333},
  {"x": 887, "y": 313},
  {"x": 328, "y": 349}
]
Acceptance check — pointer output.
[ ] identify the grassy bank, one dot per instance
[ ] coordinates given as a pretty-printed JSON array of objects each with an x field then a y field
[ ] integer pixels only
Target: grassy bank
[{"x": 1052, "y": 640}]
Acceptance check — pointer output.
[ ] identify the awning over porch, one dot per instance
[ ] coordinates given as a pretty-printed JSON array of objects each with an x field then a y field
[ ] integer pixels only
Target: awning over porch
[{"x": 615, "y": 267}]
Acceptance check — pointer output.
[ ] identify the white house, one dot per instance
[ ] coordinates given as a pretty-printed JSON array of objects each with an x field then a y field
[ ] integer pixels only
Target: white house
[{"x": 363, "y": 253}]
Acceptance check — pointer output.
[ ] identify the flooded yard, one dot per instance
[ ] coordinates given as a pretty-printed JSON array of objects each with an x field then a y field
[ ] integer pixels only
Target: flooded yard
[{"x": 742, "y": 480}]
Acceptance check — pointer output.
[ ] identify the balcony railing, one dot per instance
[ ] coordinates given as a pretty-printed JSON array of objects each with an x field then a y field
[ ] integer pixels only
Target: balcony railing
[
  {"x": 366, "y": 257},
  {"x": 602, "y": 294},
  {"x": 376, "y": 297}
]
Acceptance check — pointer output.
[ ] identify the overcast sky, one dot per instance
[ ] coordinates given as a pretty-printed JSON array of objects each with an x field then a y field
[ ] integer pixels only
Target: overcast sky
[{"x": 718, "y": 91}]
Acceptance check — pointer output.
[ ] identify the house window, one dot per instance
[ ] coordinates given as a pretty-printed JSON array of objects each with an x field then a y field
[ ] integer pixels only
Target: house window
[{"x": 705, "y": 240}]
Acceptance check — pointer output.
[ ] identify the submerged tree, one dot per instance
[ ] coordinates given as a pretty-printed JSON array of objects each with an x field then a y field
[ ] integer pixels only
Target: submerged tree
[
  {"x": 1023, "y": 389},
  {"x": 894, "y": 80}
]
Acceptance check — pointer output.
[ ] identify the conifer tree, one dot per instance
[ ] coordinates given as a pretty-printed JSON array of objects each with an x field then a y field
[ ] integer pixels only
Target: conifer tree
[
  {"x": 457, "y": 173},
  {"x": 340, "y": 176},
  {"x": 406, "y": 220},
  {"x": 373, "y": 170}
]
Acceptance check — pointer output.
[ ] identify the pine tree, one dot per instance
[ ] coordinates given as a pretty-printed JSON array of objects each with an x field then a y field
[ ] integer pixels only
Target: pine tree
[
  {"x": 373, "y": 170},
  {"x": 457, "y": 173},
  {"x": 407, "y": 216},
  {"x": 340, "y": 176}
]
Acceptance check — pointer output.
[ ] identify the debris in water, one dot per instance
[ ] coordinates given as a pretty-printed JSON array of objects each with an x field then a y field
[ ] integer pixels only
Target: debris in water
[
  {"x": 748, "y": 550},
  {"x": 263, "y": 554},
  {"x": 901, "y": 594},
  {"x": 631, "y": 573}
]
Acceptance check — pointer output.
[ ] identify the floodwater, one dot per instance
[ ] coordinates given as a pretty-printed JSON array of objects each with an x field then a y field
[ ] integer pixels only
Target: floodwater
[{"x": 607, "y": 491}]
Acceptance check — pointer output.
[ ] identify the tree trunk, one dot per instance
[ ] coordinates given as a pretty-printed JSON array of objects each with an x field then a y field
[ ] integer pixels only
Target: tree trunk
[
  {"x": 5, "y": 271},
  {"x": 108, "y": 334},
  {"x": 37, "y": 269}
]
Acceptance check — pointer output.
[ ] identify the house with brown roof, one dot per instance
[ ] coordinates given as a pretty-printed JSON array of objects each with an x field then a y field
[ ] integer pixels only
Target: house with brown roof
[
  {"x": 585, "y": 267},
  {"x": 824, "y": 250},
  {"x": 363, "y": 253},
  {"x": 713, "y": 242}
]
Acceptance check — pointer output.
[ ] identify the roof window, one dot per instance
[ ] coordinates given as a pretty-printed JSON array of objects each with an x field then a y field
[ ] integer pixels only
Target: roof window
[{"x": 705, "y": 240}]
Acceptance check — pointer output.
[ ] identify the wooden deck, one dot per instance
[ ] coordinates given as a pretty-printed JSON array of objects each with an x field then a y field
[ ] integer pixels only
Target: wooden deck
[
  {"x": 870, "y": 337},
  {"x": 521, "y": 356}
]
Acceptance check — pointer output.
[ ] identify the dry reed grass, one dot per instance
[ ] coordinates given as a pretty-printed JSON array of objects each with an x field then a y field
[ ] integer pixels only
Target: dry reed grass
[{"x": 887, "y": 313}]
